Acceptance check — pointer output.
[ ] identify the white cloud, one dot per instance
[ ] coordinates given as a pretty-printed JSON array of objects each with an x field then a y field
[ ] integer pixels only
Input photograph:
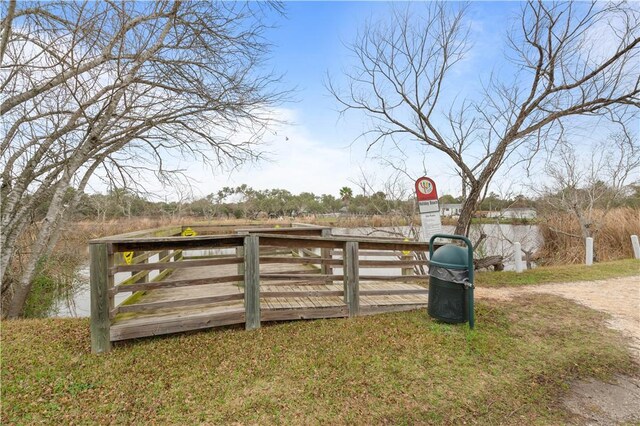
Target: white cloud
[
  {"x": 302, "y": 162},
  {"x": 297, "y": 161}
]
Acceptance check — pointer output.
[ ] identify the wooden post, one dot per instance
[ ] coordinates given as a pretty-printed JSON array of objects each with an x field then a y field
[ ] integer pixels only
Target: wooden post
[
  {"x": 325, "y": 253},
  {"x": 352, "y": 277},
  {"x": 406, "y": 270},
  {"x": 589, "y": 252},
  {"x": 636, "y": 246},
  {"x": 252, "y": 282},
  {"x": 99, "y": 281},
  {"x": 517, "y": 256},
  {"x": 345, "y": 291},
  {"x": 240, "y": 254},
  {"x": 110, "y": 283}
]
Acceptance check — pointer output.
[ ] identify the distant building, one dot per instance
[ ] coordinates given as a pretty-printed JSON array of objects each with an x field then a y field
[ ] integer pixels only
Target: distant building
[
  {"x": 518, "y": 213},
  {"x": 450, "y": 210}
]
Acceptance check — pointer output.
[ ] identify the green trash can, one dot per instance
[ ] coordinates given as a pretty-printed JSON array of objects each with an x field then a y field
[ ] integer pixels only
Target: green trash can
[{"x": 451, "y": 281}]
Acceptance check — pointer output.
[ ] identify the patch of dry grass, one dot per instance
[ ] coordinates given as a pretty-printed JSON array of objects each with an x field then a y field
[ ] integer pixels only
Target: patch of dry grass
[
  {"x": 563, "y": 243},
  {"x": 393, "y": 368}
]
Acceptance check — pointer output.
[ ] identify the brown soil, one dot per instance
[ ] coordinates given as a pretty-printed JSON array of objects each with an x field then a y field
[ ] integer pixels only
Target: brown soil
[{"x": 594, "y": 402}]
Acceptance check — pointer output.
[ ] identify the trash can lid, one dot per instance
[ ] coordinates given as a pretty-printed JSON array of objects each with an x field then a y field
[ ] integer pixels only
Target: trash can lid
[{"x": 452, "y": 255}]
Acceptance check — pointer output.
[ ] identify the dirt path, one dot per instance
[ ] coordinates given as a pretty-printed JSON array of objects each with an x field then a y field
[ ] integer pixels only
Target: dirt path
[
  {"x": 594, "y": 402},
  {"x": 619, "y": 297}
]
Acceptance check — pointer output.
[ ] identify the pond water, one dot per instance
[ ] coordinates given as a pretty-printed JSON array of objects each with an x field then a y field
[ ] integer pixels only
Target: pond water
[
  {"x": 499, "y": 241},
  {"x": 80, "y": 304},
  {"x": 499, "y": 238}
]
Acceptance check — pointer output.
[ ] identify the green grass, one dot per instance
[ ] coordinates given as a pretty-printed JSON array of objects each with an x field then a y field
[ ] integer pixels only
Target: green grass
[
  {"x": 559, "y": 274},
  {"x": 398, "y": 368},
  {"x": 42, "y": 296}
]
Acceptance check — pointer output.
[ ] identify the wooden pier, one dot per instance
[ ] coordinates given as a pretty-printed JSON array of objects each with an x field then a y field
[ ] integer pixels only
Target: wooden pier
[{"x": 229, "y": 275}]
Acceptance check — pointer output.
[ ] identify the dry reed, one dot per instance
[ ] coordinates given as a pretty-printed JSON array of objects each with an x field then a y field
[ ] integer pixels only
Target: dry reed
[{"x": 563, "y": 241}]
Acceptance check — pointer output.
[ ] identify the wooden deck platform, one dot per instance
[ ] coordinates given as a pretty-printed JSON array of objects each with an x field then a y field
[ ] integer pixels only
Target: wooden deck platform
[
  {"x": 179, "y": 281},
  {"x": 306, "y": 305}
]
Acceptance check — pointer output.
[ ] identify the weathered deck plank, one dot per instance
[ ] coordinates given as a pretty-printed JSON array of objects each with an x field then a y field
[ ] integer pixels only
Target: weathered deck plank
[{"x": 170, "y": 320}]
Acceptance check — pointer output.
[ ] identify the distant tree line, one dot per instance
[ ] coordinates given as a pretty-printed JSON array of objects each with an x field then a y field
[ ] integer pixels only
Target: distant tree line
[
  {"x": 244, "y": 202},
  {"x": 494, "y": 202},
  {"x": 241, "y": 202}
]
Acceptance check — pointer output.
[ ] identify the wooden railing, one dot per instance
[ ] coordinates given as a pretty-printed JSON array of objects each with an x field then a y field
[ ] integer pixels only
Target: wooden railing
[{"x": 157, "y": 254}]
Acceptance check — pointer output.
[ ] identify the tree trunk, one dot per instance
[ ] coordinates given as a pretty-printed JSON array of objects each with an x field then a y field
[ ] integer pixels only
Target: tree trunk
[
  {"x": 6, "y": 31},
  {"x": 10, "y": 236},
  {"x": 468, "y": 209},
  {"x": 42, "y": 245}
]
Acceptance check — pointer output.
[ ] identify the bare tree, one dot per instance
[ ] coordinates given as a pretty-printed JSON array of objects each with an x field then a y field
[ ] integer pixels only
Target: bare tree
[
  {"x": 403, "y": 66},
  {"x": 589, "y": 186},
  {"x": 110, "y": 90}
]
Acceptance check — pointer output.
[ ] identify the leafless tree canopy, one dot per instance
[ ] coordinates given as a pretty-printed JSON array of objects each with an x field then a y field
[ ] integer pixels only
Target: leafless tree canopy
[
  {"x": 111, "y": 89},
  {"x": 570, "y": 59}
]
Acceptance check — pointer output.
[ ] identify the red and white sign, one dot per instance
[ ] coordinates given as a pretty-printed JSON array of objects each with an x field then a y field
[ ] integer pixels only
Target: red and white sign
[
  {"x": 426, "y": 189},
  {"x": 429, "y": 208}
]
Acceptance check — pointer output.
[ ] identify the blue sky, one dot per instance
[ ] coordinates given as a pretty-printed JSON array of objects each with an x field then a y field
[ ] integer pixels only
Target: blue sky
[
  {"x": 317, "y": 152},
  {"x": 320, "y": 154},
  {"x": 310, "y": 43}
]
